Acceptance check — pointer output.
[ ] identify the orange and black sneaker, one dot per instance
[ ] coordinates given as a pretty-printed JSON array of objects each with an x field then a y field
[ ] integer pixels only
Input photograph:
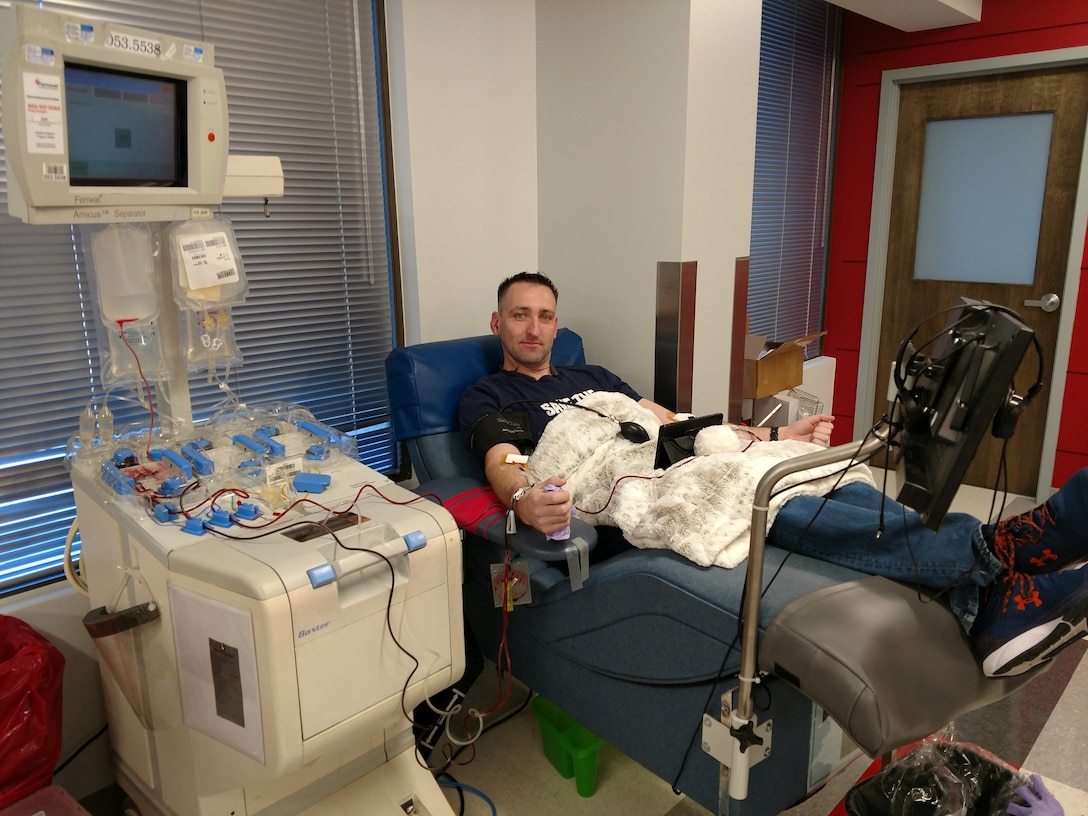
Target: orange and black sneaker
[
  {"x": 1048, "y": 538},
  {"x": 1027, "y": 619}
]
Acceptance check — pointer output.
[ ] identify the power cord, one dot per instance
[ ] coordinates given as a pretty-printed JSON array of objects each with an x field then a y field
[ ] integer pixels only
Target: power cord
[{"x": 86, "y": 744}]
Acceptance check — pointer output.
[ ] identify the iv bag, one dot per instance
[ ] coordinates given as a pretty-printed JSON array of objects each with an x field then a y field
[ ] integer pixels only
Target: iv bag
[
  {"x": 123, "y": 266},
  {"x": 206, "y": 264},
  {"x": 208, "y": 280},
  {"x": 208, "y": 335},
  {"x": 124, "y": 273}
]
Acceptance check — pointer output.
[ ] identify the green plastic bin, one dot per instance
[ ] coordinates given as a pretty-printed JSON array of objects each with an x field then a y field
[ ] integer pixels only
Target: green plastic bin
[{"x": 571, "y": 748}]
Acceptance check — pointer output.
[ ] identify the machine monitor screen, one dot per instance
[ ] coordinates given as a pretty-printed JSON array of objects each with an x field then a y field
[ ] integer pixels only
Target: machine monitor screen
[
  {"x": 950, "y": 396},
  {"x": 105, "y": 123},
  {"x": 124, "y": 129}
]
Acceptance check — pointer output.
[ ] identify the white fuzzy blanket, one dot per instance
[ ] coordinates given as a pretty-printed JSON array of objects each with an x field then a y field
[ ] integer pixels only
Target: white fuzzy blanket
[{"x": 700, "y": 508}]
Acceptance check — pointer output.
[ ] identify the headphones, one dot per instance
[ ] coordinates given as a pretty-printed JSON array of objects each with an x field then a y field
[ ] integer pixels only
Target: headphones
[
  {"x": 1012, "y": 407},
  {"x": 1008, "y": 413}
]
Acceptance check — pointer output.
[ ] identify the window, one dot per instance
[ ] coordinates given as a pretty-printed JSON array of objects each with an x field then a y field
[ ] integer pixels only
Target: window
[
  {"x": 798, "y": 66},
  {"x": 317, "y": 322}
]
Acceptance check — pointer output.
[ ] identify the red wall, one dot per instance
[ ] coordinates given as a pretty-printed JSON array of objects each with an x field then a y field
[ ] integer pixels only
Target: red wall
[{"x": 869, "y": 48}]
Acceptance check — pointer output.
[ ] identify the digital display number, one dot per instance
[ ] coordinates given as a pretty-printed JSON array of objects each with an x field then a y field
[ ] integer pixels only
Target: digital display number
[{"x": 134, "y": 44}]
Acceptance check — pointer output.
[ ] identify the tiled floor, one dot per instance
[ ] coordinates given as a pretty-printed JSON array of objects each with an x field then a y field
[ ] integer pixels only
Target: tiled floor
[{"x": 1042, "y": 728}]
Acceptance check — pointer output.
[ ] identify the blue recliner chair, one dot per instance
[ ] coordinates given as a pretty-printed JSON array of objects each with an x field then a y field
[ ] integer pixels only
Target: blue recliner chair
[{"x": 645, "y": 652}]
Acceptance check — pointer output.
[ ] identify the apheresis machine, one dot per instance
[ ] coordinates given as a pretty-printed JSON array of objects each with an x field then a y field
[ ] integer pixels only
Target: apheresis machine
[{"x": 268, "y": 611}]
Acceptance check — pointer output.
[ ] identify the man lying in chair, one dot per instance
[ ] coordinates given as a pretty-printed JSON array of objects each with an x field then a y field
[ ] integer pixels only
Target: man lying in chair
[{"x": 1007, "y": 583}]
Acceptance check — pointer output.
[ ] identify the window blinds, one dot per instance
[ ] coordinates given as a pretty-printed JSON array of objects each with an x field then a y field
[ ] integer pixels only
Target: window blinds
[
  {"x": 317, "y": 321},
  {"x": 794, "y": 128}
]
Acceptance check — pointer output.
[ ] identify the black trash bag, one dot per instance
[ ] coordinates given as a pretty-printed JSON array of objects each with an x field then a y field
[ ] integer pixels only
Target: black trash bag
[{"x": 938, "y": 778}]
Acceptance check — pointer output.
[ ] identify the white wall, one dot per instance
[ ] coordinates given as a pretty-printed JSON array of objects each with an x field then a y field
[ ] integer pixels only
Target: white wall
[
  {"x": 463, "y": 101},
  {"x": 723, "y": 84},
  {"x": 611, "y": 102},
  {"x": 621, "y": 132}
]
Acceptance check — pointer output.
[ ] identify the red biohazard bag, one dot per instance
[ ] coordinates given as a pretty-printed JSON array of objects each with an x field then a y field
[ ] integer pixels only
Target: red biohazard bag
[{"x": 31, "y": 671}]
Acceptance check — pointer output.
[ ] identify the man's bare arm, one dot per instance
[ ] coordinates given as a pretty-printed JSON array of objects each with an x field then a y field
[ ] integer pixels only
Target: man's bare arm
[
  {"x": 504, "y": 478},
  {"x": 815, "y": 429},
  {"x": 660, "y": 411},
  {"x": 547, "y": 511}
]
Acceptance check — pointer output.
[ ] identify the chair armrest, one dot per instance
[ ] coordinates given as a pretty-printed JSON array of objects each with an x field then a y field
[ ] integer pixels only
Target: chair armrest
[{"x": 477, "y": 510}]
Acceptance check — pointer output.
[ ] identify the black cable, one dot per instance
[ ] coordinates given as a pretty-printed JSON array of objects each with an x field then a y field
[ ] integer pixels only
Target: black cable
[
  {"x": 940, "y": 592},
  {"x": 826, "y": 497},
  {"x": 709, "y": 697},
  {"x": 887, "y": 462},
  {"x": 763, "y": 593},
  {"x": 1001, "y": 484},
  {"x": 81, "y": 748},
  {"x": 633, "y": 432},
  {"x": 495, "y": 724},
  {"x": 321, "y": 525}
]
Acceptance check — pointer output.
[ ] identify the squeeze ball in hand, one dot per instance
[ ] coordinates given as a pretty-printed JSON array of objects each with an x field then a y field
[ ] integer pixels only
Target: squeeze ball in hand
[{"x": 558, "y": 535}]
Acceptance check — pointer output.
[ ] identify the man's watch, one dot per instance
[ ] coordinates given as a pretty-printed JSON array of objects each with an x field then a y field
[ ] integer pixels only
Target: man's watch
[
  {"x": 520, "y": 493},
  {"x": 774, "y": 434}
]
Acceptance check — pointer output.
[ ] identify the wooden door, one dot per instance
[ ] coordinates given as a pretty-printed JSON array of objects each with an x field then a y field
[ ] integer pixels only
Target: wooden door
[{"x": 909, "y": 298}]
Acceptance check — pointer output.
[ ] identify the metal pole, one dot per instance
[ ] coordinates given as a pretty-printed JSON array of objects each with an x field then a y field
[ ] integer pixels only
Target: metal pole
[{"x": 741, "y": 719}]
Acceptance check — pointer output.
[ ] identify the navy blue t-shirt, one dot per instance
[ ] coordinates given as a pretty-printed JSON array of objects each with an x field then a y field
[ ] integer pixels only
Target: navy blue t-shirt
[{"x": 511, "y": 391}]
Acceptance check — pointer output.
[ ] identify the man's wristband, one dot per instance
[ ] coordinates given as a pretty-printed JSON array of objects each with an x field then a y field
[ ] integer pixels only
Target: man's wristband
[{"x": 520, "y": 493}]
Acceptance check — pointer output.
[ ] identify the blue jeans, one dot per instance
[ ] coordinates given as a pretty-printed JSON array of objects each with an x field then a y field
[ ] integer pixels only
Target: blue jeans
[{"x": 841, "y": 528}]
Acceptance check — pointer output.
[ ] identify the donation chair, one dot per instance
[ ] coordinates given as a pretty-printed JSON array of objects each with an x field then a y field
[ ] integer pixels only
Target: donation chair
[{"x": 645, "y": 650}]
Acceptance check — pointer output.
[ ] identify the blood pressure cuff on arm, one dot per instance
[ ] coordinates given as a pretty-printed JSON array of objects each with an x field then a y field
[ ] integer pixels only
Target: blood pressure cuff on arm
[{"x": 511, "y": 427}]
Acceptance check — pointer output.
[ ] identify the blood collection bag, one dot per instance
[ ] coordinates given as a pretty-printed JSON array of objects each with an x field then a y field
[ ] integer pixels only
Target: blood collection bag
[{"x": 123, "y": 266}]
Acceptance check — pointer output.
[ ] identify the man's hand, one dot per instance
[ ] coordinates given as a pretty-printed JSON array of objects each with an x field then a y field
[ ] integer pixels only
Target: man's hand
[
  {"x": 815, "y": 429},
  {"x": 546, "y": 510}
]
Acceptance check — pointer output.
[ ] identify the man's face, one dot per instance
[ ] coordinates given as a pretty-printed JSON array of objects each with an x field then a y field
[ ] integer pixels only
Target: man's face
[{"x": 526, "y": 324}]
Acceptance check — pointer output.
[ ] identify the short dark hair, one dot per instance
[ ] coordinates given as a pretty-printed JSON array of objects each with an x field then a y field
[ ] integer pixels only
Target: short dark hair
[{"x": 538, "y": 278}]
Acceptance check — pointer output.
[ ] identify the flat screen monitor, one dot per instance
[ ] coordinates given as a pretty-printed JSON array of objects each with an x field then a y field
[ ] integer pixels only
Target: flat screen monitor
[
  {"x": 124, "y": 129},
  {"x": 106, "y": 123},
  {"x": 950, "y": 391}
]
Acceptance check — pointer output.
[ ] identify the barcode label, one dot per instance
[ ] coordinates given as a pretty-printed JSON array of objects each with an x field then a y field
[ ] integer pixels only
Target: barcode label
[
  {"x": 209, "y": 261},
  {"x": 283, "y": 471}
]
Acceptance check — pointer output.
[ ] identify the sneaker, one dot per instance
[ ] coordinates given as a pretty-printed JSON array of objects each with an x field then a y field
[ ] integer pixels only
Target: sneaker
[
  {"x": 1027, "y": 619},
  {"x": 1048, "y": 538}
]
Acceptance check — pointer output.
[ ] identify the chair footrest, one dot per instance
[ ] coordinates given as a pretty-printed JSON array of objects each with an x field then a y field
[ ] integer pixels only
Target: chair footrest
[{"x": 890, "y": 665}]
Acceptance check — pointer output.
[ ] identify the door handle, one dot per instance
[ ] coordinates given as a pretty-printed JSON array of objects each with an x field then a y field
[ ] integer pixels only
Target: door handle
[{"x": 1048, "y": 302}]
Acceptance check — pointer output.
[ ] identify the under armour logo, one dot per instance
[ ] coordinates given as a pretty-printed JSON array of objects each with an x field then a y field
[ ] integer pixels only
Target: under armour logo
[
  {"x": 1022, "y": 601},
  {"x": 1043, "y": 557}
]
